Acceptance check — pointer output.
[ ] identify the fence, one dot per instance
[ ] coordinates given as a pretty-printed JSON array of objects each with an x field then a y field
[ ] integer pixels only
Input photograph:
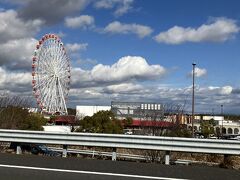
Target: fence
[{"x": 226, "y": 147}]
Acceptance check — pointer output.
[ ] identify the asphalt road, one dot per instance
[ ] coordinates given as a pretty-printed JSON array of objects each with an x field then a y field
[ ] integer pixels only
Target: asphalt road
[{"x": 22, "y": 167}]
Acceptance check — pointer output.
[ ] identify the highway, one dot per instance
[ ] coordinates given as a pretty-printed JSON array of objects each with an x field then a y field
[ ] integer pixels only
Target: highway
[{"x": 22, "y": 167}]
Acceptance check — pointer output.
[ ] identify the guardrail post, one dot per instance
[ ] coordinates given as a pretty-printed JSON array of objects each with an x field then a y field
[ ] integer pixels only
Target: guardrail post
[
  {"x": 18, "y": 150},
  {"x": 226, "y": 161},
  {"x": 114, "y": 154},
  {"x": 167, "y": 157},
  {"x": 64, "y": 152}
]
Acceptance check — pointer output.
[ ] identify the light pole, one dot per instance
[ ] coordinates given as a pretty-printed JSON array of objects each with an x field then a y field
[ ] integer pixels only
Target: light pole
[
  {"x": 222, "y": 120},
  {"x": 193, "y": 88}
]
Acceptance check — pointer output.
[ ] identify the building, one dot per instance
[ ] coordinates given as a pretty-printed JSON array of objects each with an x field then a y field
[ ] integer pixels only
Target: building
[
  {"x": 82, "y": 111},
  {"x": 137, "y": 110},
  {"x": 228, "y": 127},
  {"x": 143, "y": 114}
]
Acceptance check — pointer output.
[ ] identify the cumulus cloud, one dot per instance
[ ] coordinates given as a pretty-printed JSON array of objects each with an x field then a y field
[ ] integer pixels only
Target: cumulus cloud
[
  {"x": 125, "y": 69},
  {"x": 226, "y": 90},
  {"x": 17, "y": 54},
  {"x": 12, "y": 27},
  {"x": 75, "y": 47},
  {"x": 51, "y": 11},
  {"x": 120, "y": 28},
  {"x": 17, "y": 44},
  {"x": 83, "y": 21},
  {"x": 206, "y": 98},
  {"x": 60, "y": 34},
  {"x": 220, "y": 30},
  {"x": 121, "y": 6},
  {"x": 86, "y": 62},
  {"x": 199, "y": 72},
  {"x": 89, "y": 93},
  {"x": 15, "y": 81},
  {"x": 128, "y": 88}
]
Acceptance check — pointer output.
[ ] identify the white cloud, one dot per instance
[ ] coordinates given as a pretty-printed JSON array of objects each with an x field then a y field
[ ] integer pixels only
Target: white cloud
[
  {"x": 226, "y": 90},
  {"x": 3, "y": 76},
  {"x": 215, "y": 90},
  {"x": 121, "y": 6},
  {"x": 199, "y": 72},
  {"x": 12, "y": 27},
  {"x": 88, "y": 94},
  {"x": 128, "y": 68},
  {"x": 104, "y": 4},
  {"x": 75, "y": 47},
  {"x": 124, "y": 8},
  {"x": 12, "y": 80},
  {"x": 206, "y": 98},
  {"x": 60, "y": 34},
  {"x": 83, "y": 21},
  {"x": 121, "y": 28},
  {"x": 220, "y": 30},
  {"x": 53, "y": 11},
  {"x": 16, "y": 42},
  {"x": 124, "y": 88},
  {"x": 17, "y": 53},
  {"x": 87, "y": 61}
]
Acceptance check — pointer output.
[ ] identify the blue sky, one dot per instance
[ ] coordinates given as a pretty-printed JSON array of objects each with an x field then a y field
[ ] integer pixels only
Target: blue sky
[{"x": 130, "y": 50}]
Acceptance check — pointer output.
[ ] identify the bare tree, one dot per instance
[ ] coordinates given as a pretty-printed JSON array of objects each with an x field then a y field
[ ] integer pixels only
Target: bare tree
[
  {"x": 159, "y": 122},
  {"x": 14, "y": 113},
  {"x": 7, "y": 100}
]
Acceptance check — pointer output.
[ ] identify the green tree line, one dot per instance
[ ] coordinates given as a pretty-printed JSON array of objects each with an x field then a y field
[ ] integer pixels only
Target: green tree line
[
  {"x": 101, "y": 122},
  {"x": 19, "y": 118}
]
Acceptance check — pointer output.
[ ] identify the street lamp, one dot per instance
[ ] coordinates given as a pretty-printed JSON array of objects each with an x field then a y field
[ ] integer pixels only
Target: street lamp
[
  {"x": 222, "y": 120},
  {"x": 193, "y": 88}
]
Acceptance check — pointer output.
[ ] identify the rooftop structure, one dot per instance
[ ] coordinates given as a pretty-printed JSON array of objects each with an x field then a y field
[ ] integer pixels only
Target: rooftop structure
[{"x": 137, "y": 110}]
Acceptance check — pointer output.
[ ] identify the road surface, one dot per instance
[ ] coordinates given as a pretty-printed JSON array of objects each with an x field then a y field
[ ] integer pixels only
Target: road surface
[{"x": 22, "y": 167}]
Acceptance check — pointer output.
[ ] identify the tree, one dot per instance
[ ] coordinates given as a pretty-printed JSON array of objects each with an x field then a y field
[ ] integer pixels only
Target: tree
[
  {"x": 11, "y": 117},
  {"x": 33, "y": 122},
  {"x": 207, "y": 127},
  {"x": 71, "y": 111},
  {"x": 101, "y": 122},
  {"x": 80, "y": 116},
  {"x": 14, "y": 114},
  {"x": 128, "y": 121},
  {"x": 19, "y": 118},
  {"x": 179, "y": 130}
]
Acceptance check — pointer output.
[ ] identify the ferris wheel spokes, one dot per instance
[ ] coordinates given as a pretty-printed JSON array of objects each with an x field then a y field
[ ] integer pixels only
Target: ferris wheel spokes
[{"x": 51, "y": 75}]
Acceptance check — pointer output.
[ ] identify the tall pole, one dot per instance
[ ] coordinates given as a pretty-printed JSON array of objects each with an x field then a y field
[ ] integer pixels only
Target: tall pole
[
  {"x": 222, "y": 120},
  {"x": 193, "y": 101}
]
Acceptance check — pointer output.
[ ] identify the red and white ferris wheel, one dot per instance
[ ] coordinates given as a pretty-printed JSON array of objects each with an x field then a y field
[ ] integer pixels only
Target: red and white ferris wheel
[{"x": 51, "y": 75}]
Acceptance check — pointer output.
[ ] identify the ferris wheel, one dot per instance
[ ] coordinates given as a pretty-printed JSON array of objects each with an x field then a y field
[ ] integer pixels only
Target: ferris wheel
[{"x": 51, "y": 75}]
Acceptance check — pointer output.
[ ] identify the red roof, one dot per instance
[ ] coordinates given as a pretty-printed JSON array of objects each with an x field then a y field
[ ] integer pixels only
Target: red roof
[{"x": 67, "y": 119}]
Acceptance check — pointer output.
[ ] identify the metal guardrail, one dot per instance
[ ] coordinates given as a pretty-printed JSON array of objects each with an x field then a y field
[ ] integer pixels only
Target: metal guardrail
[
  {"x": 124, "y": 141},
  {"x": 94, "y": 153}
]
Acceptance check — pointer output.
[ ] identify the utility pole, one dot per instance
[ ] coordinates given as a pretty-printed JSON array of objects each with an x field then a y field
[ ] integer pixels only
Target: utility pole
[
  {"x": 193, "y": 101},
  {"x": 222, "y": 120}
]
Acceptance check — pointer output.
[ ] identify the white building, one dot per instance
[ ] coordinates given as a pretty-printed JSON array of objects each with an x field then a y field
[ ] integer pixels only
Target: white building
[
  {"x": 56, "y": 128},
  {"x": 82, "y": 111},
  {"x": 229, "y": 127}
]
